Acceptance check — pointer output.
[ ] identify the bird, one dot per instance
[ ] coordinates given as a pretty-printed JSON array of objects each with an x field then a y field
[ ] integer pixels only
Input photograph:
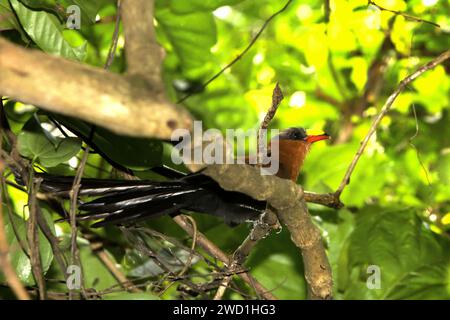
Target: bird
[{"x": 124, "y": 202}]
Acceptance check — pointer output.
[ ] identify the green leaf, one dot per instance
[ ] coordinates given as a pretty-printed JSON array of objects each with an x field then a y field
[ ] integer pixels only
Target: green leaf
[
  {"x": 88, "y": 9},
  {"x": 278, "y": 265},
  {"x": 427, "y": 282},
  {"x": 183, "y": 6},
  {"x": 40, "y": 4},
  {"x": 46, "y": 31},
  {"x": 7, "y": 17},
  {"x": 96, "y": 274},
  {"x": 37, "y": 144},
  {"x": 338, "y": 226},
  {"x": 190, "y": 35},
  {"x": 18, "y": 258},
  {"x": 133, "y": 153},
  {"x": 398, "y": 243}
]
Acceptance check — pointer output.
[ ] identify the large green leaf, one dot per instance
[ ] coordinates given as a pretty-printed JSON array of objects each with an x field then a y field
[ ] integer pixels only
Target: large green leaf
[
  {"x": 37, "y": 144},
  {"x": 18, "y": 258},
  {"x": 46, "y": 31},
  {"x": 397, "y": 242},
  {"x": 190, "y": 35},
  {"x": 96, "y": 274},
  {"x": 88, "y": 9},
  {"x": 277, "y": 263},
  {"x": 427, "y": 282},
  {"x": 7, "y": 18}
]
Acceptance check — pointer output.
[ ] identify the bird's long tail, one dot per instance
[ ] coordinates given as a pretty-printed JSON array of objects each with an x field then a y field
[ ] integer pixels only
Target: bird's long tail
[{"x": 121, "y": 202}]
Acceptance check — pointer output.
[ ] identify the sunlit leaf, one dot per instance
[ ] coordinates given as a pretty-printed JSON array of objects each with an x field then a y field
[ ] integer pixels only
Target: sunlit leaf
[
  {"x": 16, "y": 226},
  {"x": 37, "y": 144},
  {"x": 46, "y": 31}
]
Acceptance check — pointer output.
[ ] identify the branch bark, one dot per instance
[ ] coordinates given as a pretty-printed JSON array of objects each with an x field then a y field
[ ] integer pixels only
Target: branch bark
[
  {"x": 288, "y": 200},
  {"x": 132, "y": 104},
  {"x": 214, "y": 251},
  {"x": 142, "y": 52}
]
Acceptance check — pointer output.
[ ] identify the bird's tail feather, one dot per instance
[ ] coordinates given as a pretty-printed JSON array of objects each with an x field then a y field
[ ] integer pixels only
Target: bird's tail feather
[
  {"x": 121, "y": 202},
  {"x": 125, "y": 201}
]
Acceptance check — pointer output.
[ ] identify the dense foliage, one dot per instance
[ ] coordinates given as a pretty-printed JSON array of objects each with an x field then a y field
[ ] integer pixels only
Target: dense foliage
[{"x": 336, "y": 70}]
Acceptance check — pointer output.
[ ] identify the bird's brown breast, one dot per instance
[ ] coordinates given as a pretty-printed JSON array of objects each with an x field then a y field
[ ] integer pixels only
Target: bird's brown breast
[{"x": 292, "y": 153}]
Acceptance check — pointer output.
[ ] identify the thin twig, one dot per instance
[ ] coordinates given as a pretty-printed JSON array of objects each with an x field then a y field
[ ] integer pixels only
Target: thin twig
[
  {"x": 53, "y": 240},
  {"x": 384, "y": 110},
  {"x": 222, "y": 288},
  {"x": 324, "y": 199},
  {"x": 74, "y": 251},
  {"x": 214, "y": 251},
  {"x": 115, "y": 39},
  {"x": 277, "y": 97},
  {"x": 194, "y": 242},
  {"x": 116, "y": 272},
  {"x": 407, "y": 16},
  {"x": 240, "y": 55},
  {"x": 33, "y": 236}
]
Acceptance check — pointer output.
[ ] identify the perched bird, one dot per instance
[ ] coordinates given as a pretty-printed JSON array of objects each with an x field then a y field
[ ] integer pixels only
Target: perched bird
[{"x": 126, "y": 202}]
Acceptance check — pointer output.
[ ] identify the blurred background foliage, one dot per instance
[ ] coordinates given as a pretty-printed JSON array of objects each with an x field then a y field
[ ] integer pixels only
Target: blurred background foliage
[{"x": 336, "y": 62}]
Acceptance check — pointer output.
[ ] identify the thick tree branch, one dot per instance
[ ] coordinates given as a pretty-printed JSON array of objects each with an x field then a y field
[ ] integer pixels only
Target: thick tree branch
[
  {"x": 287, "y": 198},
  {"x": 143, "y": 54},
  {"x": 123, "y": 105},
  {"x": 325, "y": 199},
  {"x": 132, "y": 105}
]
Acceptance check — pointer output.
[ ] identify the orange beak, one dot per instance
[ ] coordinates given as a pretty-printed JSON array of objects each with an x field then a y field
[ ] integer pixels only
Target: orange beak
[{"x": 315, "y": 138}]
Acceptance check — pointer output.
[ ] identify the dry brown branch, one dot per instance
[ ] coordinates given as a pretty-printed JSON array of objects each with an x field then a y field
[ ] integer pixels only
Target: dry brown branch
[
  {"x": 194, "y": 242},
  {"x": 74, "y": 250},
  {"x": 115, "y": 271},
  {"x": 214, "y": 251},
  {"x": 222, "y": 288},
  {"x": 325, "y": 199},
  {"x": 143, "y": 54},
  {"x": 115, "y": 39},
  {"x": 52, "y": 239},
  {"x": 384, "y": 110},
  {"x": 134, "y": 104},
  {"x": 262, "y": 228},
  {"x": 287, "y": 198},
  {"x": 33, "y": 238},
  {"x": 277, "y": 97}
]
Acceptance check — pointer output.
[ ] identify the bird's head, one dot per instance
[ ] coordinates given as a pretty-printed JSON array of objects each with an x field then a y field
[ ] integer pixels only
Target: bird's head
[
  {"x": 303, "y": 135},
  {"x": 294, "y": 144}
]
